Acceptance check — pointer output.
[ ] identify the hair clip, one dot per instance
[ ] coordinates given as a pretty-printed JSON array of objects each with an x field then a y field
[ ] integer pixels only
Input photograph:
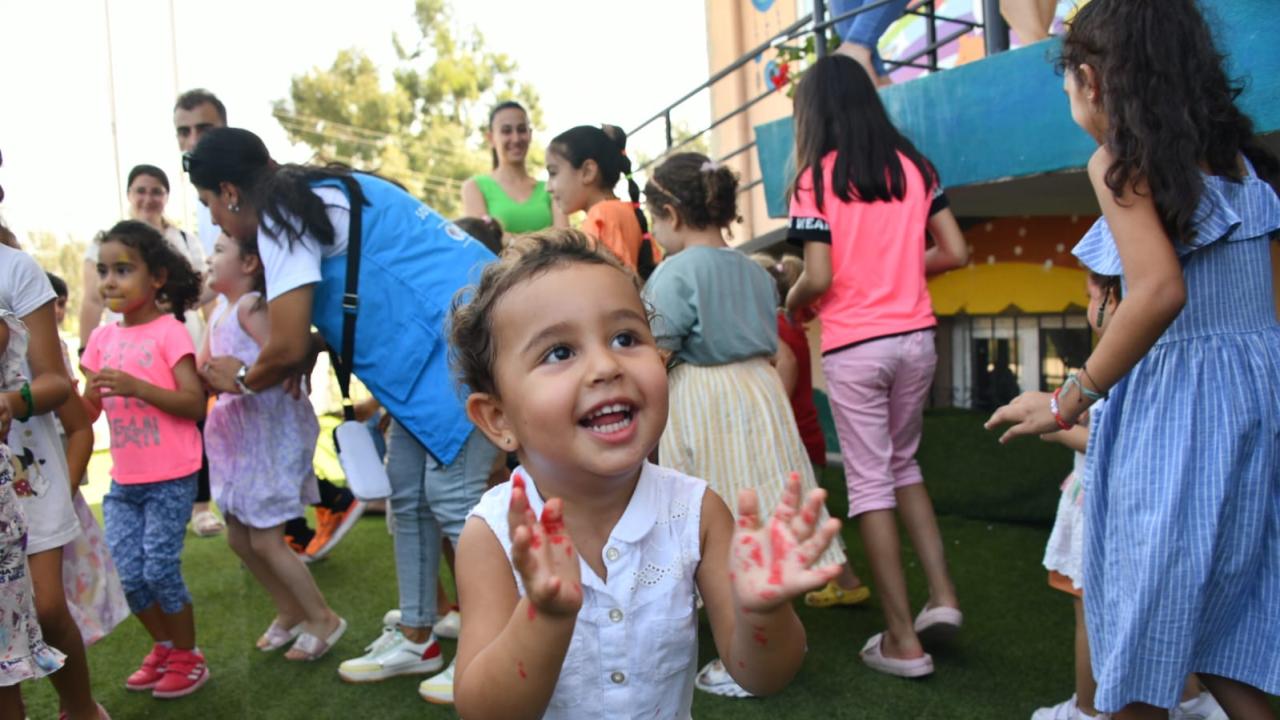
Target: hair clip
[{"x": 710, "y": 166}]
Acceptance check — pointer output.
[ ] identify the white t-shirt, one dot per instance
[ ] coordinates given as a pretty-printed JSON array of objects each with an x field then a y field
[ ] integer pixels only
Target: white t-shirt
[
  {"x": 24, "y": 287},
  {"x": 290, "y": 265},
  {"x": 40, "y": 465}
]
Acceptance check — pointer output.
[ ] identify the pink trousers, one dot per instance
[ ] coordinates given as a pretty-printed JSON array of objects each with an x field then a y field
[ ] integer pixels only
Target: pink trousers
[{"x": 878, "y": 391}]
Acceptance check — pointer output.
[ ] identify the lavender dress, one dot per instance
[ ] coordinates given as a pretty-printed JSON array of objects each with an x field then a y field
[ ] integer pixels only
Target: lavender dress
[{"x": 260, "y": 446}]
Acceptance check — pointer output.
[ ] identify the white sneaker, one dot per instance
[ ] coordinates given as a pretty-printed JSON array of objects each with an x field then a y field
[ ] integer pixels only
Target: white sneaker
[
  {"x": 390, "y": 655},
  {"x": 438, "y": 689},
  {"x": 1202, "y": 707},
  {"x": 715, "y": 679},
  {"x": 448, "y": 626},
  {"x": 1066, "y": 710},
  {"x": 391, "y": 618}
]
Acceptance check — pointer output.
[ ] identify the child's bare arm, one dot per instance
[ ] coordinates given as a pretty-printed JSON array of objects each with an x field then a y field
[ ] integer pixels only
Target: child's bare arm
[
  {"x": 185, "y": 401},
  {"x": 79, "y": 428},
  {"x": 512, "y": 648},
  {"x": 760, "y": 639},
  {"x": 1077, "y": 438}
]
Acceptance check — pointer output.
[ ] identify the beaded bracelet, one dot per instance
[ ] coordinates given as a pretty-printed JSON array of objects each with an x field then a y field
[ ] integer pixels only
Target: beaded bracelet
[
  {"x": 25, "y": 393},
  {"x": 1057, "y": 414}
]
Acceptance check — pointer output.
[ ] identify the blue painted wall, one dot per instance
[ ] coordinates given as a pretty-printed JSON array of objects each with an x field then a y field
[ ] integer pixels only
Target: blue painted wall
[{"x": 1006, "y": 116}]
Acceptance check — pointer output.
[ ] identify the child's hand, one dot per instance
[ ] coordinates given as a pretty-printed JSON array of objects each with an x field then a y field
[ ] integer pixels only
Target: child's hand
[
  {"x": 770, "y": 565},
  {"x": 544, "y": 555},
  {"x": 110, "y": 381}
]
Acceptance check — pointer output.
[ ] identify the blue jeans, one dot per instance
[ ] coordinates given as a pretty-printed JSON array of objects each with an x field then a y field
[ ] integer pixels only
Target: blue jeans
[
  {"x": 145, "y": 527},
  {"x": 865, "y": 28},
  {"x": 429, "y": 500}
]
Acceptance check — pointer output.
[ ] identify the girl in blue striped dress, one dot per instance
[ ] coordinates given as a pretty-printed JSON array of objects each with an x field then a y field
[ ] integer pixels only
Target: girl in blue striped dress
[{"x": 1183, "y": 479}]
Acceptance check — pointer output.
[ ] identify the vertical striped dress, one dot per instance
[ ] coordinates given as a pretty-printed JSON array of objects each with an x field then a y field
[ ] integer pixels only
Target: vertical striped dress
[{"x": 1182, "y": 481}]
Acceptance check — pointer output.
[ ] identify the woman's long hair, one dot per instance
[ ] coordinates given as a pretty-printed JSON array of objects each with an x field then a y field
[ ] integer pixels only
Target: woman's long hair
[
  {"x": 837, "y": 108},
  {"x": 282, "y": 194}
]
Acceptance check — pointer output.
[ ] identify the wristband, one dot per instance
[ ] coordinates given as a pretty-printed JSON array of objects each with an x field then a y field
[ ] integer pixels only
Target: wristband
[
  {"x": 1057, "y": 414},
  {"x": 1091, "y": 394},
  {"x": 25, "y": 393}
]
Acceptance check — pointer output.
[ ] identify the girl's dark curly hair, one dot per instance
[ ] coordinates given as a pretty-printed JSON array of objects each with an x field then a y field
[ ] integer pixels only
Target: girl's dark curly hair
[
  {"x": 181, "y": 287},
  {"x": 1170, "y": 107},
  {"x": 473, "y": 348},
  {"x": 704, "y": 194}
]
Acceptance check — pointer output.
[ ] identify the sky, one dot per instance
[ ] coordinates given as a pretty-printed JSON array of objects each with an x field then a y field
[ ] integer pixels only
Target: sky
[{"x": 62, "y": 172}]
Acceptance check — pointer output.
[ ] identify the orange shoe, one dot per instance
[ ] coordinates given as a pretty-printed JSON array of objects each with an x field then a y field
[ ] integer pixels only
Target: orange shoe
[{"x": 331, "y": 527}]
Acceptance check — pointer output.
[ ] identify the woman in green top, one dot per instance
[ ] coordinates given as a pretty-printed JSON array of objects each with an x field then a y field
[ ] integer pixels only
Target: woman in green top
[{"x": 509, "y": 194}]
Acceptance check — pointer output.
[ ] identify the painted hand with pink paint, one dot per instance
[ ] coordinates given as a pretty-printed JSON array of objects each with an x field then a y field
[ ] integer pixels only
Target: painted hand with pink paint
[
  {"x": 543, "y": 554},
  {"x": 771, "y": 564}
]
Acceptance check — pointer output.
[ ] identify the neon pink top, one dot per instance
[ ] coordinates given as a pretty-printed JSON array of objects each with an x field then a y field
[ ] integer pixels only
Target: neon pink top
[
  {"x": 147, "y": 445},
  {"x": 878, "y": 284}
]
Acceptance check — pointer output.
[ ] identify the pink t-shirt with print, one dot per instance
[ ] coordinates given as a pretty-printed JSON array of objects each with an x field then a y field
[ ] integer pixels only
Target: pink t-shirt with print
[
  {"x": 147, "y": 444},
  {"x": 878, "y": 283}
]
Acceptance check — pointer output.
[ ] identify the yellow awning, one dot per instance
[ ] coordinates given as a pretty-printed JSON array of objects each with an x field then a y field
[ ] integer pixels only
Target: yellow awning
[{"x": 991, "y": 289}]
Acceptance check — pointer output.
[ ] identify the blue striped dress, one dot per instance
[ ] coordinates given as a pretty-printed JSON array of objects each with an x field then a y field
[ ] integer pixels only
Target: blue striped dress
[{"x": 1182, "y": 484}]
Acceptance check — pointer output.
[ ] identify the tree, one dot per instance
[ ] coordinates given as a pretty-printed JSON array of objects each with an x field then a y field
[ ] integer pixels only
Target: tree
[
  {"x": 64, "y": 258},
  {"x": 424, "y": 131}
]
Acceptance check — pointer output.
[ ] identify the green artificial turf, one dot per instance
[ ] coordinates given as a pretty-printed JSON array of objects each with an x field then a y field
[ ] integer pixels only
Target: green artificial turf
[{"x": 1013, "y": 655}]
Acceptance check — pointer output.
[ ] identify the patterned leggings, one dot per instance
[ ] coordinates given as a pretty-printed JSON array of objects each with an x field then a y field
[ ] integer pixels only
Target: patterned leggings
[{"x": 145, "y": 527}]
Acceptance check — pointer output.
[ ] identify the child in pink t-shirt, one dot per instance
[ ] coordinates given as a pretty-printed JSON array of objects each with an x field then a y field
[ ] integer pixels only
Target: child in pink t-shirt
[
  {"x": 142, "y": 371},
  {"x": 863, "y": 201}
]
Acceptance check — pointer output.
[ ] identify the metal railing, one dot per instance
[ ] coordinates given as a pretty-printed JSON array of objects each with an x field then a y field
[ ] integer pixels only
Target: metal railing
[{"x": 816, "y": 24}]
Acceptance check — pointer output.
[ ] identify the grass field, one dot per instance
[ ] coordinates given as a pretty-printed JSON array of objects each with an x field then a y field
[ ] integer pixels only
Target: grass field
[{"x": 995, "y": 505}]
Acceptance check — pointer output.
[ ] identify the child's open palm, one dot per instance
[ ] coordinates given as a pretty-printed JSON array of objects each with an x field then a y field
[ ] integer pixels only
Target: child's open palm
[
  {"x": 769, "y": 565},
  {"x": 544, "y": 555}
]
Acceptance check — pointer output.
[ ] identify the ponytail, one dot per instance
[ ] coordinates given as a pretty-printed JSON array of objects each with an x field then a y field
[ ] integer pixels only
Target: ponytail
[{"x": 645, "y": 262}]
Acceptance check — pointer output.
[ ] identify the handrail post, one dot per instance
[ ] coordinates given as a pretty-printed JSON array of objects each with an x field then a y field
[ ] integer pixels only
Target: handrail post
[
  {"x": 931, "y": 34},
  {"x": 666, "y": 117},
  {"x": 995, "y": 32},
  {"x": 820, "y": 34}
]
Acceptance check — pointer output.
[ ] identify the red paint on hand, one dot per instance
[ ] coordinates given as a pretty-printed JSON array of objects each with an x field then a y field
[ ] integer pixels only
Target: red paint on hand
[
  {"x": 742, "y": 663},
  {"x": 759, "y": 636},
  {"x": 779, "y": 546},
  {"x": 532, "y": 612},
  {"x": 808, "y": 517},
  {"x": 745, "y": 522},
  {"x": 768, "y": 595},
  {"x": 535, "y": 542},
  {"x": 557, "y": 539},
  {"x": 757, "y": 556},
  {"x": 520, "y": 669}
]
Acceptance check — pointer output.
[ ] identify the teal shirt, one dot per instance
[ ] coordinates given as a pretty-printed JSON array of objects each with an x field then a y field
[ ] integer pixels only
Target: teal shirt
[
  {"x": 516, "y": 217},
  {"x": 713, "y": 306}
]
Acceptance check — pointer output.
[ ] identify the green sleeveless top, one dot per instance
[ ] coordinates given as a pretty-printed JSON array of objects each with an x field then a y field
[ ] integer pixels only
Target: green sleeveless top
[{"x": 528, "y": 216}]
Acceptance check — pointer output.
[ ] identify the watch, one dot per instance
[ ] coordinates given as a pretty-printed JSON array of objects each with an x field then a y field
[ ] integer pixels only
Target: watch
[{"x": 241, "y": 374}]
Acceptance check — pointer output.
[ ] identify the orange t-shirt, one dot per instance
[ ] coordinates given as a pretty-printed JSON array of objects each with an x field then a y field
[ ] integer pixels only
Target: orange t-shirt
[{"x": 613, "y": 224}]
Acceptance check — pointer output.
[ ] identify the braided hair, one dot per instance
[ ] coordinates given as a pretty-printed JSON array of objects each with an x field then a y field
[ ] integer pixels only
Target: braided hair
[{"x": 607, "y": 146}]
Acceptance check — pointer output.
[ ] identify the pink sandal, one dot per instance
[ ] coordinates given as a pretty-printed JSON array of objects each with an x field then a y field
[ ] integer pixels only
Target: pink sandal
[
  {"x": 907, "y": 668},
  {"x": 938, "y": 624},
  {"x": 313, "y": 648},
  {"x": 277, "y": 636}
]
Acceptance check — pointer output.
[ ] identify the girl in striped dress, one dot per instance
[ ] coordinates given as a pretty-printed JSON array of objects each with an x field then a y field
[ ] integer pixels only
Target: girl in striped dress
[
  {"x": 730, "y": 420},
  {"x": 1182, "y": 485}
]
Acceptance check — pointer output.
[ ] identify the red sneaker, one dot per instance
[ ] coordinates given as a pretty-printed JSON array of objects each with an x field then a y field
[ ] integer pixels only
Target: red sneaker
[
  {"x": 148, "y": 676},
  {"x": 184, "y": 673}
]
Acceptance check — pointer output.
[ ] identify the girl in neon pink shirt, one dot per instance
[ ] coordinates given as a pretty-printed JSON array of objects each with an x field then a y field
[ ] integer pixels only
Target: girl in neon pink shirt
[
  {"x": 861, "y": 205},
  {"x": 142, "y": 371}
]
